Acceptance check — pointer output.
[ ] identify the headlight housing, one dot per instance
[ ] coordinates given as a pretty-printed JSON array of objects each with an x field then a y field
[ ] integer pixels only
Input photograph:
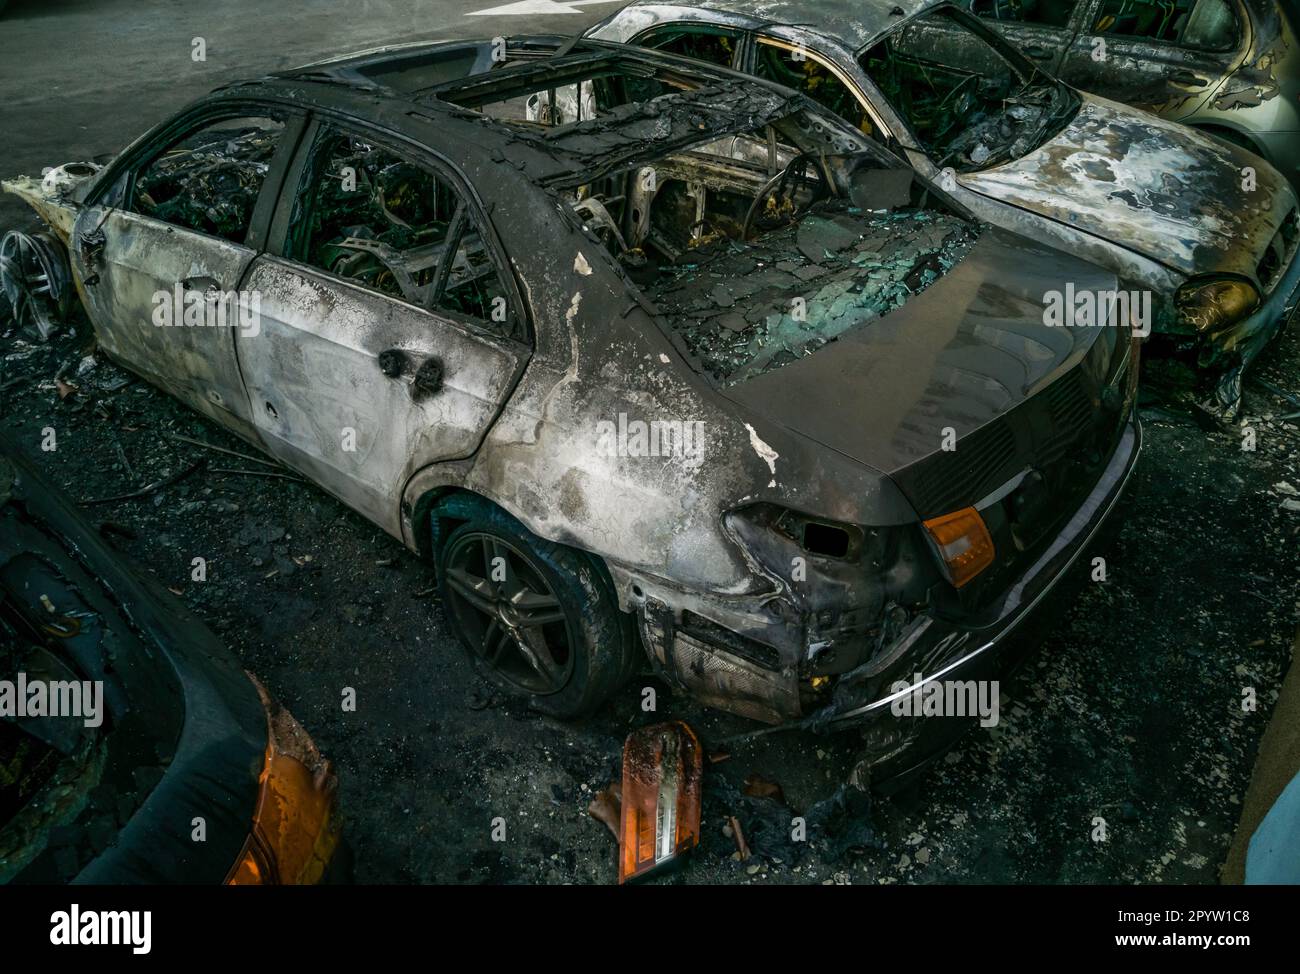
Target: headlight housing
[
  {"x": 1211, "y": 306},
  {"x": 963, "y": 543},
  {"x": 810, "y": 535}
]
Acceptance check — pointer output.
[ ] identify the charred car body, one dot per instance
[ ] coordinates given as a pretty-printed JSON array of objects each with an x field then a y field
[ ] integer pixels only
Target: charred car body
[
  {"x": 183, "y": 735},
  {"x": 694, "y": 366},
  {"x": 1229, "y": 67},
  {"x": 1173, "y": 212}
]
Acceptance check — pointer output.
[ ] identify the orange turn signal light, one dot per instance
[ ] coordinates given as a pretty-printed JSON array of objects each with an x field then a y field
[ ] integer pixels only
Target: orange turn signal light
[
  {"x": 963, "y": 542},
  {"x": 663, "y": 767}
]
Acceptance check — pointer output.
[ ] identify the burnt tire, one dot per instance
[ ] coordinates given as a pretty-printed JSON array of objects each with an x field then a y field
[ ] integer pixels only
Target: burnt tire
[{"x": 537, "y": 619}]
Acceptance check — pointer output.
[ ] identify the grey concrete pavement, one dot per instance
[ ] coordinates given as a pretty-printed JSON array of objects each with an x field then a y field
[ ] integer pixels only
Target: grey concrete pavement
[{"x": 79, "y": 78}]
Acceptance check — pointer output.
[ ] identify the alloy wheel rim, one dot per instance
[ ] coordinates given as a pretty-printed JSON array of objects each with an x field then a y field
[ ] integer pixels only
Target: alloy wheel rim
[{"x": 511, "y": 617}]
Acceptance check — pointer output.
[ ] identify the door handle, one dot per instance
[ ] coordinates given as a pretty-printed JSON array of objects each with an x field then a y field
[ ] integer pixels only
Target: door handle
[
  {"x": 427, "y": 378},
  {"x": 201, "y": 284},
  {"x": 1188, "y": 78},
  {"x": 1037, "y": 53},
  {"x": 392, "y": 362}
]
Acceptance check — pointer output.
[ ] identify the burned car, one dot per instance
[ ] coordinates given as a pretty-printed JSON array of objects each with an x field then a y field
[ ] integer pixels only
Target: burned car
[
  {"x": 1228, "y": 67},
  {"x": 693, "y": 372},
  {"x": 1203, "y": 230},
  {"x": 133, "y": 748}
]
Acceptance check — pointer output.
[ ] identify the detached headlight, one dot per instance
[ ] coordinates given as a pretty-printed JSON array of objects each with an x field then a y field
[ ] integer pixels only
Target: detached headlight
[{"x": 1212, "y": 306}]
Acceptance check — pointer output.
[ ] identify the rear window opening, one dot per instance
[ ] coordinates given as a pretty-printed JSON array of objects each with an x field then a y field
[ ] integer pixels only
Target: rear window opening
[{"x": 759, "y": 253}]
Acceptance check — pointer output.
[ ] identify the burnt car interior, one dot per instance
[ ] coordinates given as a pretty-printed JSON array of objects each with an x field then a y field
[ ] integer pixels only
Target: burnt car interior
[
  {"x": 210, "y": 181},
  {"x": 967, "y": 105},
  {"x": 754, "y": 272},
  {"x": 811, "y": 244},
  {"x": 1205, "y": 24}
]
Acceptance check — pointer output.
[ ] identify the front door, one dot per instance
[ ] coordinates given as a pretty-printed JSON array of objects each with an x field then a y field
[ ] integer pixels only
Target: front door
[{"x": 163, "y": 253}]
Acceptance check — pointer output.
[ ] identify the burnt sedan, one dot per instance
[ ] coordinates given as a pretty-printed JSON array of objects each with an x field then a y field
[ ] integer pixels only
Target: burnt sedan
[
  {"x": 1206, "y": 231},
  {"x": 133, "y": 748},
  {"x": 690, "y": 371},
  {"x": 1228, "y": 67}
]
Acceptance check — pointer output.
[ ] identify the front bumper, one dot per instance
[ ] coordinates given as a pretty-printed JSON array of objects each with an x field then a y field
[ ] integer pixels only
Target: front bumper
[
  {"x": 962, "y": 652},
  {"x": 931, "y": 646},
  {"x": 1233, "y": 349}
]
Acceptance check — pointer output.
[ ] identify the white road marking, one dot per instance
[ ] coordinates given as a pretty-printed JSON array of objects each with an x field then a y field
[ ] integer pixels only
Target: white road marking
[{"x": 537, "y": 7}]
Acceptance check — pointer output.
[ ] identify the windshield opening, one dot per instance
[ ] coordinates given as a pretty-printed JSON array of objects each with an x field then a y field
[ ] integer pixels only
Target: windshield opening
[
  {"x": 758, "y": 248},
  {"x": 967, "y": 105}
]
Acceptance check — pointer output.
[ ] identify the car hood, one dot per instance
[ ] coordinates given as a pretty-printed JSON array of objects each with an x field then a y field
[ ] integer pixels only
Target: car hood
[
  {"x": 959, "y": 355},
  {"x": 1169, "y": 193}
]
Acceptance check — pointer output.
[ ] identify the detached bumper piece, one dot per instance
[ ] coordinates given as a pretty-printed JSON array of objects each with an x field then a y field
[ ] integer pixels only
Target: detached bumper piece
[{"x": 663, "y": 766}]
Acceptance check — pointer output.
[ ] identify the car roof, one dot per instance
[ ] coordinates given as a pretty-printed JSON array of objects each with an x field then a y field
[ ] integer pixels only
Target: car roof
[
  {"x": 716, "y": 101},
  {"x": 854, "y": 22}
]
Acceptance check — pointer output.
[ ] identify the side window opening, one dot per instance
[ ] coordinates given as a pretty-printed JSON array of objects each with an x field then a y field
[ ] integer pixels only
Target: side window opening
[
  {"x": 209, "y": 181},
  {"x": 1046, "y": 13},
  {"x": 714, "y": 46},
  {"x": 797, "y": 70},
  {"x": 373, "y": 217},
  {"x": 1203, "y": 24},
  {"x": 473, "y": 286}
]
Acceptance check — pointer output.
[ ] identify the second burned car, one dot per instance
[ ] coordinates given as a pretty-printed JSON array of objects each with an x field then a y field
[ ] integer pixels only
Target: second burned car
[
  {"x": 1204, "y": 231},
  {"x": 693, "y": 373}
]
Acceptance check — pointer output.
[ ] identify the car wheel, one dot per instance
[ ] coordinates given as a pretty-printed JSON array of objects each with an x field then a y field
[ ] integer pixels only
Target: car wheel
[{"x": 537, "y": 619}]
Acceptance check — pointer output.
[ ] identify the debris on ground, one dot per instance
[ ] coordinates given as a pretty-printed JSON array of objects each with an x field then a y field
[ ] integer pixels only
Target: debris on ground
[
  {"x": 607, "y": 806},
  {"x": 654, "y": 810}
]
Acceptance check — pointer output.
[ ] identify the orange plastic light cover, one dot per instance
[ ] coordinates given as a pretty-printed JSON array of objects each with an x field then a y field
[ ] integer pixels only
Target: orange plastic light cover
[
  {"x": 662, "y": 770},
  {"x": 963, "y": 542},
  {"x": 294, "y": 831}
]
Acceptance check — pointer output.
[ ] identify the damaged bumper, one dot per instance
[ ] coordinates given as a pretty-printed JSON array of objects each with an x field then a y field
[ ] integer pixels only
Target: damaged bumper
[
  {"x": 730, "y": 671},
  {"x": 1237, "y": 347},
  {"x": 935, "y": 649}
]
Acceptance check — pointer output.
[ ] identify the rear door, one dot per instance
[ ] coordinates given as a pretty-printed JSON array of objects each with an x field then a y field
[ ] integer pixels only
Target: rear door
[
  {"x": 1161, "y": 55},
  {"x": 163, "y": 250},
  {"x": 391, "y": 330}
]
